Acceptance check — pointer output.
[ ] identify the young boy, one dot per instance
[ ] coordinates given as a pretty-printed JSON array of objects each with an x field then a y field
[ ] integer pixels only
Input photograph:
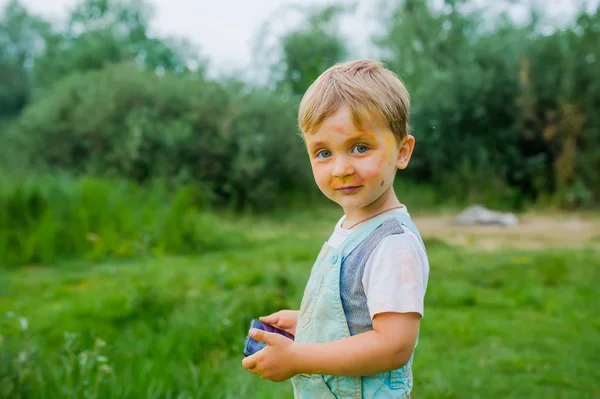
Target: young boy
[{"x": 358, "y": 323}]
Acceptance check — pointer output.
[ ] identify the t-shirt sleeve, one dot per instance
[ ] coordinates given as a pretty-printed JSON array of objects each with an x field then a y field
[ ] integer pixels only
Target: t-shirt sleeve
[{"x": 395, "y": 276}]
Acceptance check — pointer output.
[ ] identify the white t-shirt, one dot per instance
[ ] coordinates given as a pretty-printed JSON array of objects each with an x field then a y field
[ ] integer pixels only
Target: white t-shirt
[{"x": 396, "y": 273}]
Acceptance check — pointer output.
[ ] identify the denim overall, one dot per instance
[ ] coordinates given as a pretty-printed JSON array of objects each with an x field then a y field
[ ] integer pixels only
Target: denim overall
[{"x": 322, "y": 319}]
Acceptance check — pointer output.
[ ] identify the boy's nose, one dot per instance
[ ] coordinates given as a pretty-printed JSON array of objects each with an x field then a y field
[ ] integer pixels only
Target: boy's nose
[{"x": 342, "y": 167}]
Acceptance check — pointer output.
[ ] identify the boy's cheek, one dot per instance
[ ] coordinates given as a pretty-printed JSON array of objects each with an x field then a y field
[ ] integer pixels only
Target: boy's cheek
[
  {"x": 320, "y": 172},
  {"x": 321, "y": 180},
  {"x": 324, "y": 187},
  {"x": 373, "y": 168},
  {"x": 377, "y": 166}
]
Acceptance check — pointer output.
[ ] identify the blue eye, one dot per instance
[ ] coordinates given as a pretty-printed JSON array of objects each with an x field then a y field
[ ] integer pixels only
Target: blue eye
[
  {"x": 323, "y": 154},
  {"x": 360, "y": 149}
]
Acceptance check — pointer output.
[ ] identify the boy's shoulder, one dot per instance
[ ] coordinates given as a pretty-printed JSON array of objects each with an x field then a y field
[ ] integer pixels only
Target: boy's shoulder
[
  {"x": 393, "y": 232},
  {"x": 396, "y": 223}
]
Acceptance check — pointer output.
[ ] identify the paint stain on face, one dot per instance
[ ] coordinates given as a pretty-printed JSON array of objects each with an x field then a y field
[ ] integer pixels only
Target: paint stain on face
[
  {"x": 341, "y": 129},
  {"x": 370, "y": 134}
]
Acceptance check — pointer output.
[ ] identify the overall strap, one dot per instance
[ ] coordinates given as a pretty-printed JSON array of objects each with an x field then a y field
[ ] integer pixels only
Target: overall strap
[
  {"x": 361, "y": 233},
  {"x": 408, "y": 223}
]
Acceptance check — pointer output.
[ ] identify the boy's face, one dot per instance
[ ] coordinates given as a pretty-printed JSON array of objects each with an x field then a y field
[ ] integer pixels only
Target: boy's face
[{"x": 352, "y": 167}]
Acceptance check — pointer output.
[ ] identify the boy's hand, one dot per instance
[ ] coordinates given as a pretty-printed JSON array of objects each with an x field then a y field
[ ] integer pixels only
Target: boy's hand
[
  {"x": 285, "y": 320},
  {"x": 276, "y": 361}
]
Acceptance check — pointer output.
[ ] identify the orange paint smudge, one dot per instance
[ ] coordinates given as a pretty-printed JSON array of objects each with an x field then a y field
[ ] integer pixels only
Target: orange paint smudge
[
  {"x": 380, "y": 162},
  {"x": 340, "y": 129},
  {"x": 369, "y": 133}
]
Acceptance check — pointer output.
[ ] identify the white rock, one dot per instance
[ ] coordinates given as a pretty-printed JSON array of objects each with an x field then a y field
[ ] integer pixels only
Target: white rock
[{"x": 480, "y": 215}]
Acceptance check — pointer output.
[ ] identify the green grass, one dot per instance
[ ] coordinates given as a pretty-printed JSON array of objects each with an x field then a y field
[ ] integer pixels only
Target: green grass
[
  {"x": 46, "y": 219},
  {"x": 498, "y": 324}
]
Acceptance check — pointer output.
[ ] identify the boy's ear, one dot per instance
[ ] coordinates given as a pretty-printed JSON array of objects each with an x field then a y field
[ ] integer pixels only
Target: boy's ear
[{"x": 405, "y": 152}]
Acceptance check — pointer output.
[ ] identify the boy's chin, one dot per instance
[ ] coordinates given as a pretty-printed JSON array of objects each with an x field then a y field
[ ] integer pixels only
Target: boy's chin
[
  {"x": 355, "y": 203},
  {"x": 350, "y": 205},
  {"x": 352, "y": 202}
]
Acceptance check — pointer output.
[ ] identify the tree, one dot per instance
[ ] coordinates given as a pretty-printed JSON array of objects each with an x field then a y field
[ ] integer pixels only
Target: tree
[
  {"x": 22, "y": 39},
  {"x": 303, "y": 53},
  {"x": 104, "y": 32},
  {"x": 505, "y": 110},
  {"x": 463, "y": 78}
]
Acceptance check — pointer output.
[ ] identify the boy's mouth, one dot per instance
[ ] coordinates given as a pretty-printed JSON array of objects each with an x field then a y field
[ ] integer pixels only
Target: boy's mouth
[{"x": 348, "y": 189}]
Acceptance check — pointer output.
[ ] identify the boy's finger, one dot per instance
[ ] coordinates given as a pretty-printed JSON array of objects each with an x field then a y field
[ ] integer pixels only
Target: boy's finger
[
  {"x": 270, "y": 319},
  {"x": 263, "y": 336},
  {"x": 249, "y": 362}
]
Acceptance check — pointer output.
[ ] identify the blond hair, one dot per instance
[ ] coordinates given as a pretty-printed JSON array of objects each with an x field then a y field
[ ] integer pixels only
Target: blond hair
[{"x": 367, "y": 88}]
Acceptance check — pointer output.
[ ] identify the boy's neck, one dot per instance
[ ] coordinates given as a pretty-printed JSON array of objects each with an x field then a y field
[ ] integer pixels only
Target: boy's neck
[{"x": 387, "y": 201}]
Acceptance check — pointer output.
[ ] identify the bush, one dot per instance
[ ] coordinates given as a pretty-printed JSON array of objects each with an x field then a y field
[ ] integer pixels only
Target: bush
[{"x": 129, "y": 123}]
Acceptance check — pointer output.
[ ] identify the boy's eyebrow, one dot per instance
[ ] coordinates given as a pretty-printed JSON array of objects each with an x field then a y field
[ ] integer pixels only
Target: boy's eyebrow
[
  {"x": 318, "y": 144},
  {"x": 323, "y": 143}
]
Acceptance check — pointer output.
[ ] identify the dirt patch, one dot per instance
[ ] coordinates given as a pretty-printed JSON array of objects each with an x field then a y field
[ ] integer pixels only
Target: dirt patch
[{"x": 535, "y": 231}]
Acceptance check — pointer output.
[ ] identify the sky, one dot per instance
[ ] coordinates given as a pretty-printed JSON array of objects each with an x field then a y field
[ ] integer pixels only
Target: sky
[{"x": 225, "y": 31}]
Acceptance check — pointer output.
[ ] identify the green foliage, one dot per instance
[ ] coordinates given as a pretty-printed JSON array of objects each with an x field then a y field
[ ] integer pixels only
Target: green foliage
[
  {"x": 502, "y": 109},
  {"x": 34, "y": 54},
  {"x": 560, "y": 91},
  {"x": 310, "y": 50},
  {"x": 265, "y": 157},
  {"x": 14, "y": 89},
  {"x": 105, "y": 32},
  {"x": 504, "y": 114},
  {"x": 124, "y": 122},
  {"x": 20, "y": 37},
  {"x": 174, "y": 327},
  {"x": 46, "y": 219}
]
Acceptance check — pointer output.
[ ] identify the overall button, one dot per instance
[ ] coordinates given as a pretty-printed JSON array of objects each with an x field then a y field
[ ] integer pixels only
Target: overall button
[{"x": 334, "y": 258}]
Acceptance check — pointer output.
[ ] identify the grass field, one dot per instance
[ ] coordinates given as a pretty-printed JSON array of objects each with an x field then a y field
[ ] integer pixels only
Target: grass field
[{"x": 503, "y": 323}]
